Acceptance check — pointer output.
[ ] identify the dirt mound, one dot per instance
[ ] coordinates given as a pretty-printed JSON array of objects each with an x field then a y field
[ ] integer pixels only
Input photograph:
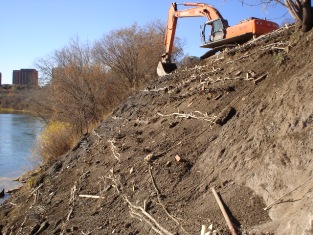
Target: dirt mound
[{"x": 241, "y": 122}]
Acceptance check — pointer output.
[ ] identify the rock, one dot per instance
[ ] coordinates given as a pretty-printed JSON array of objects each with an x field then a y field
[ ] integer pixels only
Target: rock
[
  {"x": 173, "y": 124},
  {"x": 56, "y": 167},
  {"x": 13, "y": 190},
  {"x": 178, "y": 158},
  {"x": 147, "y": 150},
  {"x": 120, "y": 136},
  {"x": 149, "y": 158},
  {"x": 1, "y": 192}
]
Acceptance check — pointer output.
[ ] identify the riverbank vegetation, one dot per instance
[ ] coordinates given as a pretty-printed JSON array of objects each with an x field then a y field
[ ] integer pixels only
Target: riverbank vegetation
[
  {"x": 16, "y": 97},
  {"x": 54, "y": 140},
  {"x": 85, "y": 81}
]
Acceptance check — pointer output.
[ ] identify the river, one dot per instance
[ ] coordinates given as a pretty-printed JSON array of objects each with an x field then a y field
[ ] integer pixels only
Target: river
[{"x": 18, "y": 134}]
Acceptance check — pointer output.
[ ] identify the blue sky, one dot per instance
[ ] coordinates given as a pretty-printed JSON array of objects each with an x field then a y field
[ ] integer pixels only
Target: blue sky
[{"x": 31, "y": 29}]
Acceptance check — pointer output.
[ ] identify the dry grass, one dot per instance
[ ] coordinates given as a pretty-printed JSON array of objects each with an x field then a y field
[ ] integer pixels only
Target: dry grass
[{"x": 55, "y": 140}]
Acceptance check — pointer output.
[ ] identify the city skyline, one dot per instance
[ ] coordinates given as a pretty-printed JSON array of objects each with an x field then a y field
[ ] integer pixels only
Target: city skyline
[
  {"x": 23, "y": 76},
  {"x": 27, "y": 77}
]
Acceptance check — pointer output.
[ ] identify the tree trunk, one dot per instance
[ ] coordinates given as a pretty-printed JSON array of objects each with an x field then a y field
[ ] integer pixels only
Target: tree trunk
[
  {"x": 295, "y": 9},
  {"x": 307, "y": 16}
]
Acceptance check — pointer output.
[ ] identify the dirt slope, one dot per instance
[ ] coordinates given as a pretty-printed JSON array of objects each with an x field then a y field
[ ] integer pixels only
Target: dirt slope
[{"x": 241, "y": 122}]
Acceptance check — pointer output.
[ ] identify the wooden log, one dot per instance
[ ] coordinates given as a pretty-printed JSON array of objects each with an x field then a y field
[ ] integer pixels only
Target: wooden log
[
  {"x": 220, "y": 204},
  {"x": 225, "y": 115}
]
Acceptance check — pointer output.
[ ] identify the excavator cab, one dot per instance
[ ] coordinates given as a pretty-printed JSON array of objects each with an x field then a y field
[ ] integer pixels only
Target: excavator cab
[{"x": 217, "y": 31}]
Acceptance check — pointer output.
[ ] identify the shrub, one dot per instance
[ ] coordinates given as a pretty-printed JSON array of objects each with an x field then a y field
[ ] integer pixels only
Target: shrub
[{"x": 55, "y": 140}]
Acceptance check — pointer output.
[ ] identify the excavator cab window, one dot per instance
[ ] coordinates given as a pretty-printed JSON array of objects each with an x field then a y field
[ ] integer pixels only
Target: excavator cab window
[{"x": 217, "y": 30}]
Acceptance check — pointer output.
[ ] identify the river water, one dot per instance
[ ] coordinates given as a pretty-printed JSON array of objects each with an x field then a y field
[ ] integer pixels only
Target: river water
[{"x": 18, "y": 134}]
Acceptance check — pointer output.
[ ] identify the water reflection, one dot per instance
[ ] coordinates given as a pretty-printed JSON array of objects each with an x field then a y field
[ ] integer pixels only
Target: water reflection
[{"x": 18, "y": 133}]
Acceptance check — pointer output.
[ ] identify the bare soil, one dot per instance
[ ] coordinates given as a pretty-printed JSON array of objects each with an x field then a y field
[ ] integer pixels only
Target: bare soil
[{"x": 240, "y": 121}]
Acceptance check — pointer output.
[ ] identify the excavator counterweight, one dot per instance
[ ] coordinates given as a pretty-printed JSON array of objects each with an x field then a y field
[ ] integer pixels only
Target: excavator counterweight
[{"x": 220, "y": 34}]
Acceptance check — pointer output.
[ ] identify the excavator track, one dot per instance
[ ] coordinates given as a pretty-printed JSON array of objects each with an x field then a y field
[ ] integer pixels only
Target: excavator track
[
  {"x": 216, "y": 50},
  {"x": 233, "y": 40}
]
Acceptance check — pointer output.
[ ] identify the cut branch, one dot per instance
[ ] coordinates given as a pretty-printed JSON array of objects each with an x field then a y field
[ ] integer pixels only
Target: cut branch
[
  {"x": 195, "y": 115},
  {"x": 91, "y": 196},
  {"x": 141, "y": 213},
  {"x": 116, "y": 154},
  {"x": 159, "y": 201}
]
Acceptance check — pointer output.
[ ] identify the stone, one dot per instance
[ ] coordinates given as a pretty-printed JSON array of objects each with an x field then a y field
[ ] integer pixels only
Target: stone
[
  {"x": 1, "y": 192},
  {"x": 178, "y": 158},
  {"x": 149, "y": 158}
]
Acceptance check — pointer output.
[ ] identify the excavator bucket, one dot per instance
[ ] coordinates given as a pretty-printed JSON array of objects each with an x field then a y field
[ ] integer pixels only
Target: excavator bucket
[{"x": 165, "y": 68}]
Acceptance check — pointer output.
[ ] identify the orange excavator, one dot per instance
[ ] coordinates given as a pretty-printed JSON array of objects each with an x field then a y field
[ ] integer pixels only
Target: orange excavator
[{"x": 220, "y": 36}]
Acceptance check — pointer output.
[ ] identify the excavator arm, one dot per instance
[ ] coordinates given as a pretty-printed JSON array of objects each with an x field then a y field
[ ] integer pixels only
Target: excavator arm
[
  {"x": 166, "y": 66},
  {"x": 199, "y": 10}
]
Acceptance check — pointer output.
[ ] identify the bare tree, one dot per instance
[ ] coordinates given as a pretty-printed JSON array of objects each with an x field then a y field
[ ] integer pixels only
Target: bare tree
[
  {"x": 300, "y": 10},
  {"x": 133, "y": 53},
  {"x": 83, "y": 83},
  {"x": 77, "y": 93}
]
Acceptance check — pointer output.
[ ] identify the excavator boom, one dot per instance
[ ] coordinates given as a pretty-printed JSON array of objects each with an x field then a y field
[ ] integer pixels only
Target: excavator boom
[
  {"x": 199, "y": 10},
  {"x": 220, "y": 33}
]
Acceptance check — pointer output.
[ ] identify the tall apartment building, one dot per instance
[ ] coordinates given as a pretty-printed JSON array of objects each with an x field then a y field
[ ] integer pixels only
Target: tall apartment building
[{"x": 27, "y": 77}]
